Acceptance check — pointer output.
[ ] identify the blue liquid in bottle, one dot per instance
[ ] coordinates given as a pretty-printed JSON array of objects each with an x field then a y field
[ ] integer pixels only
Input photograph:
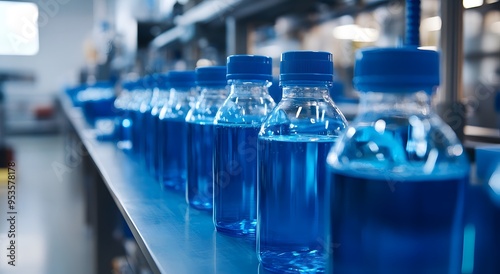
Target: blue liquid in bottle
[
  {"x": 150, "y": 141},
  {"x": 200, "y": 119},
  {"x": 292, "y": 175},
  {"x": 160, "y": 96},
  {"x": 154, "y": 153},
  {"x": 173, "y": 148},
  {"x": 123, "y": 122},
  {"x": 141, "y": 97},
  {"x": 235, "y": 153},
  {"x": 151, "y": 86},
  {"x": 152, "y": 145},
  {"x": 482, "y": 214},
  {"x": 235, "y": 162},
  {"x": 172, "y": 127},
  {"x": 397, "y": 226},
  {"x": 398, "y": 175},
  {"x": 293, "y": 146},
  {"x": 137, "y": 130},
  {"x": 140, "y": 115},
  {"x": 200, "y": 174}
]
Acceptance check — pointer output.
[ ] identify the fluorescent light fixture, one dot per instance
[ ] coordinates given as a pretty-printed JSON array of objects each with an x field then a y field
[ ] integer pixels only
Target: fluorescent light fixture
[
  {"x": 491, "y": 1},
  {"x": 205, "y": 11},
  {"x": 472, "y": 3},
  {"x": 355, "y": 33},
  {"x": 168, "y": 37},
  {"x": 18, "y": 28},
  {"x": 431, "y": 24}
]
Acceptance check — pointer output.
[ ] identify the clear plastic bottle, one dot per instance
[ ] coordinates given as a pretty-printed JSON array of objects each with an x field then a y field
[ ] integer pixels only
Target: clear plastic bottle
[
  {"x": 141, "y": 95},
  {"x": 293, "y": 145},
  {"x": 235, "y": 154},
  {"x": 139, "y": 107},
  {"x": 398, "y": 174},
  {"x": 213, "y": 85},
  {"x": 157, "y": 102},
  {"x": 153, "y": 91},
  {"x": 123, "y": 122},
  {"x": 172, "y": 130},
  {"x": 97, "y": 103}
]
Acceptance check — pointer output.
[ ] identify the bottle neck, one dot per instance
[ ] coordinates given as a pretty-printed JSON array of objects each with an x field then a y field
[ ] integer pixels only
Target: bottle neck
[
  {"x": 250, "y": 88},
  {"x": 213, "y": 92},
  {"x": 316, "y": 91},
  {"x": 397, "y": 103},
  {"x": 179, "y": 94}
]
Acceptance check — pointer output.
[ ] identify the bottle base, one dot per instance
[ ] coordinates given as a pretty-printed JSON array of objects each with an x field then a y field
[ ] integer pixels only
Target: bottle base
[
  {"x": 201, "y": 205},
  {"x": 244, "y": 229},
  {"x": 311, "y": 261},
  {"x": 174, "y": 184},
  {"x": 124, "y": 145}
]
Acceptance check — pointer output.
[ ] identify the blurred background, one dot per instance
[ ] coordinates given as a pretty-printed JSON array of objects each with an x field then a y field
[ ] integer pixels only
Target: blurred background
[
  {"x": 76, "y": 41},
  {"x": 48, "y": 46}
]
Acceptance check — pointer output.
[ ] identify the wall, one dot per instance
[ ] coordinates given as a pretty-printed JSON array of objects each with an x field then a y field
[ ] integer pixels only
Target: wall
[{"x": 64, "y": 26}]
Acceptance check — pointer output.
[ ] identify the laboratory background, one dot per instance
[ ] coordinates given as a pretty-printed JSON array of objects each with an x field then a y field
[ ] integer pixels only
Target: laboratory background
[{"x": 249, "y": 136}]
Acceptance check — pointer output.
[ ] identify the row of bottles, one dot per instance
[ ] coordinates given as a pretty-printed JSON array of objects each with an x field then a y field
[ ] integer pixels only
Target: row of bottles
[{"x": 385, "y": 194}]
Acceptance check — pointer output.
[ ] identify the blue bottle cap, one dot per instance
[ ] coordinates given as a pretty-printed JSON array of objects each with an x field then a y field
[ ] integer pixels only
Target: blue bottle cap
[
  {"x": 139, "y": 83},
  {"x": 103, "y": 84},
  {"x": 306, "y": 66},
  {"x": 182, "y": 79},
  {"x": 487, "y": 160},
  {"x": 128, "y": 85},
  {"x": 249, "y": 67},
  {"x": 211, "y": 76},
  {"x": 391, "y": 70},
  {"x": 147, "y": 81},
  {"x": 163, "y": 81}
]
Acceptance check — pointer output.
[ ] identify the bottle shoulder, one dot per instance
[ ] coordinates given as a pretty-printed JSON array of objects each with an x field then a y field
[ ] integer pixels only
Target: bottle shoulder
[
  {"x": 245, "y": 109},
  {"x": 174, "y": 110},
  {"x": 405, "y": 145},
  {"x": 304, "y": 117},
  {"x": 205, "y": 114}
]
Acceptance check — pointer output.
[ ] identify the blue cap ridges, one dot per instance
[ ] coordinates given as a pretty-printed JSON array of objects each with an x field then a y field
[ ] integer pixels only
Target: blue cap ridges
[
  {"x": 182, "y": 79},
  {"x": 306, "y": 66},
  {"x": 406, "y": 69},
  {"x": 211, "y": 76},
  {"x": 249, "y": 67}
]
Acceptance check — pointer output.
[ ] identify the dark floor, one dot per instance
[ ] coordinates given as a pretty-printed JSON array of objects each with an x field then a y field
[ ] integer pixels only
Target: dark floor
[{"x": 51, "y": 235}]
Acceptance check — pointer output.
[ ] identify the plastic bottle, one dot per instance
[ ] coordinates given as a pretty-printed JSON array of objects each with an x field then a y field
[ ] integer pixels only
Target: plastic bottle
[
  {"x": 482, "y": 217},
  {"x": 152, "y": 92},
  {"x": 151, "y": 147},
  {"x": 173, "y": 130},
  {"x": 235, "y": 155},
  {"x": 138, "y": 107},
  {"x": 97, "y": 105},
  {"x": 293, "y": 145},
  {"x": 212, "y": 83},
  {"x": 123, "y": 122},
  {"x": 399, "y": 173}
]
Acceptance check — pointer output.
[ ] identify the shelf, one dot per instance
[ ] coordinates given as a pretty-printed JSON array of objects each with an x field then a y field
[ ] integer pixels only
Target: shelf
[{"x": 173, "y": 237}]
